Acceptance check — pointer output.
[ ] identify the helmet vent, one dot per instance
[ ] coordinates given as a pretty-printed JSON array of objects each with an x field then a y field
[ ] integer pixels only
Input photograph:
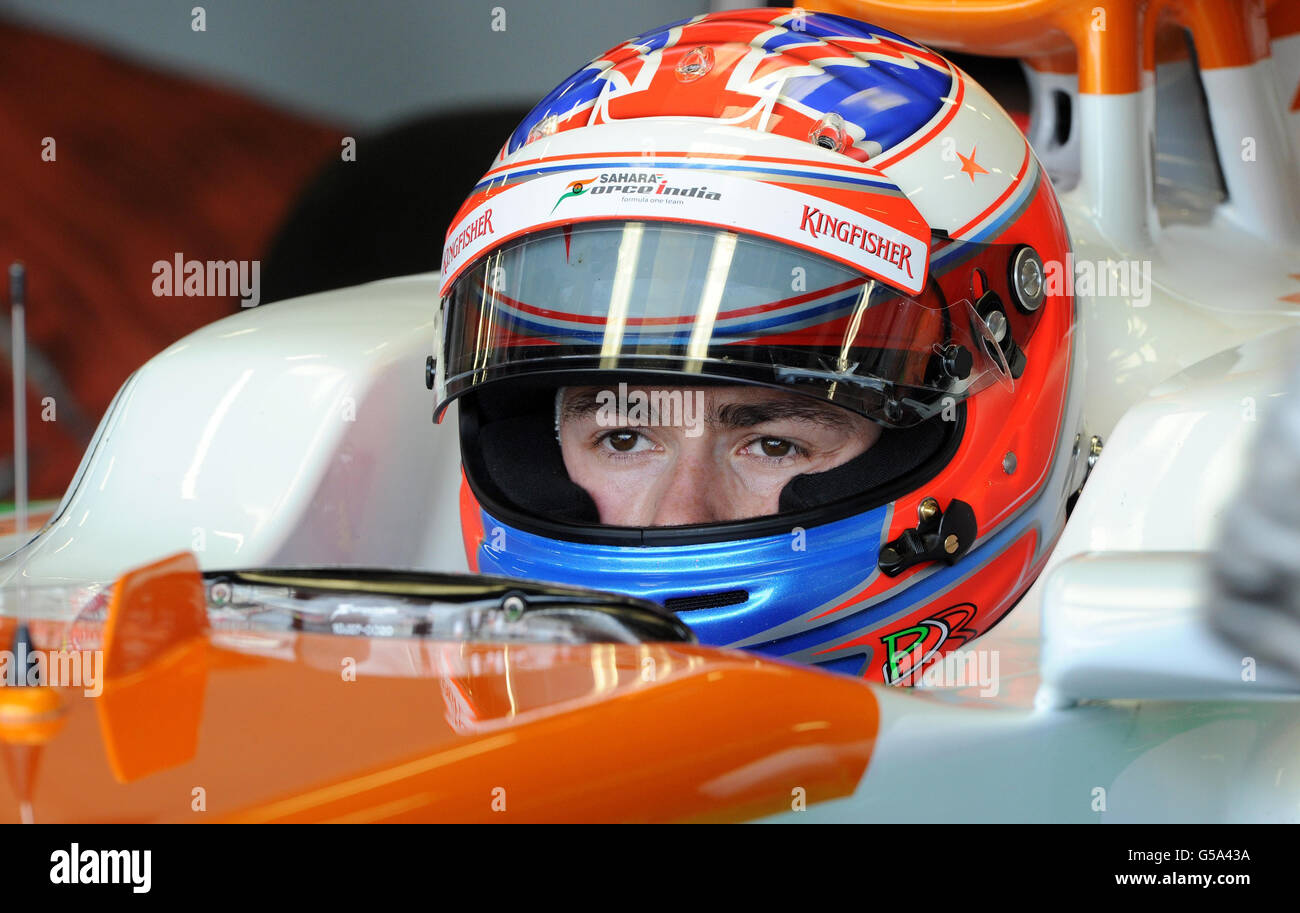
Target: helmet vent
[
  {"x": 695, "y": 64},
  {"x": 706, "y": 600},
  {"x": 831, "y": 132}
]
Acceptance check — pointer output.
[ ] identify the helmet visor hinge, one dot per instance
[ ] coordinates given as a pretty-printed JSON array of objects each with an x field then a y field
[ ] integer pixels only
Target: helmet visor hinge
[
  {"x": 940, "y": 535},
  {"x": 990, "y": 309}
]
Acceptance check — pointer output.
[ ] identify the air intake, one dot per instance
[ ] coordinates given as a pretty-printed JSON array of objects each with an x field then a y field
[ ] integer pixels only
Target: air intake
[{"x": 705, "y": 601}]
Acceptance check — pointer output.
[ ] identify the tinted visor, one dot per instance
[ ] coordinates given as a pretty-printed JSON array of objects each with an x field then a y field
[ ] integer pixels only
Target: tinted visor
[{"x": 709, "y": 304}]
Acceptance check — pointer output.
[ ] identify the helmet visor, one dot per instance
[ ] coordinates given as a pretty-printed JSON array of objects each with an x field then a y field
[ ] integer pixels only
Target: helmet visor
[{"x": 710, "y": 305}]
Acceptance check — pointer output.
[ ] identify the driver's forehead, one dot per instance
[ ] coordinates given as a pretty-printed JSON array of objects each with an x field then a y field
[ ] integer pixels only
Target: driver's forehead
[
  {"x": 732, "y": 405},
  {"x": 740, "y": 393}
]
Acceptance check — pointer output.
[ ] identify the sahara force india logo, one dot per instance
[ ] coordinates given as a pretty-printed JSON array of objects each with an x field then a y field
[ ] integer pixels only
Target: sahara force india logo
[
  {"x": 909, "y": 649},
  {"x": 635, "y": 183}
]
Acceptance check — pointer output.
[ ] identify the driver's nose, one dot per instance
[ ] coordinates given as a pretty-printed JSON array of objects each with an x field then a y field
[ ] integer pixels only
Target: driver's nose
[{"x": 689, "y": 492}]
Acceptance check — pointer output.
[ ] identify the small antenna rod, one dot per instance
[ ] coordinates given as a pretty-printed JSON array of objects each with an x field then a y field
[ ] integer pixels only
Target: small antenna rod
[{"x": 18, "y": 302}]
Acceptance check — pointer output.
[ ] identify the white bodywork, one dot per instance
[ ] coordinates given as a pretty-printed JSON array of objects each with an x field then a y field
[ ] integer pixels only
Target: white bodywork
[{"x": 286, "y": 435}]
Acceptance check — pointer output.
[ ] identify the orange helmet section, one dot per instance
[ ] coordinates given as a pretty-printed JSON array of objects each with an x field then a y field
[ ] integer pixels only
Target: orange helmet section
[{"x": 1002, "y": 466}]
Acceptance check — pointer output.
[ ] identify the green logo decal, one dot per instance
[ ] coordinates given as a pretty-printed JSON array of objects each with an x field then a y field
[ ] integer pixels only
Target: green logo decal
[
  {"x": 577, "y": 188},
  {"x": 909, "y": 649}
]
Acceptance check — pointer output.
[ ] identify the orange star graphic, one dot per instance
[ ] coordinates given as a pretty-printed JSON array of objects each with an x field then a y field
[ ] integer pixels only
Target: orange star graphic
[{"x": 970, "y": 166}]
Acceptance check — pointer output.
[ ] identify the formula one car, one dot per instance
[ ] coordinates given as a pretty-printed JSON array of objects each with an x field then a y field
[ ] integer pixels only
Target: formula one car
[{"x": 269, "y": 544}]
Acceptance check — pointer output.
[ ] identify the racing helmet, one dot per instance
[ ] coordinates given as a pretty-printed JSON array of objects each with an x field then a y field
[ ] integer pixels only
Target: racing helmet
[{"x": 795, "y": 201}]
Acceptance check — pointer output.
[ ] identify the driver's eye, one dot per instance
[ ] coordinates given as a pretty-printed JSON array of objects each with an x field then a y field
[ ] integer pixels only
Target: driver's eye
[
  {"x": 776, "y": 447},
  {"x": 622, "y": 440}
]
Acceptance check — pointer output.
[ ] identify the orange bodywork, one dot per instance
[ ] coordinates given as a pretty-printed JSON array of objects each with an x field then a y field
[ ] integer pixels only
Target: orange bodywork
[
  {"x": 1109, "y": 42},
  {"x": 204, "y": 725}
]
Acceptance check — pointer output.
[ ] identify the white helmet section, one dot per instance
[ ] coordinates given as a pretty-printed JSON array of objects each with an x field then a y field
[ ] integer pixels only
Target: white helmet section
[
  {"x": 875, "y": 247},
  {"x": 962, "y": 171},
  {"x": 965, "y": 169},
  {"x": 708, "y": 174}
]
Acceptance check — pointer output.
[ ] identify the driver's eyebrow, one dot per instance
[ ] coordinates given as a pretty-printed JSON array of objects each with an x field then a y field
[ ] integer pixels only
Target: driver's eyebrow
[
  {"x": 747, "y": 415},
  {"x": 580, "y": 403}
]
